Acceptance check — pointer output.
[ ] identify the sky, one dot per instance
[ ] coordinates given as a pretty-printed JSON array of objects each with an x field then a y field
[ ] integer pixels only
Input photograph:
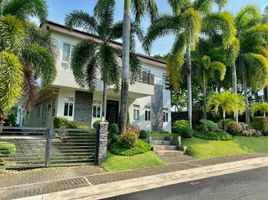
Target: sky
[{"x": 58, "y": 9}]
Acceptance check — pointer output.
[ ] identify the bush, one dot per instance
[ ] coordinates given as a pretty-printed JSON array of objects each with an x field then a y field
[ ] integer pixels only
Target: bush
[
  {"x": 61, "y": 122},
  {"x": 183, "y": 128},
  {"x": 234, "y": 128},
  {"x": 143, "y": 134},
  {"x": 223, "y": 123},
  {"x": 248, "y": 131},
  {"x": 261, "y": 124},
  {"x": 213, "y": 135},
  {"x": 207, "y": 125},
  {"x": 114, "y": 129},
  {"x": 129, "y": 140},
  {"x": 131, "y": 128},
  {"x": 7, "y": 148},
  {"x": 140, "y": 147},
  {"x": 96, "y": 124}
]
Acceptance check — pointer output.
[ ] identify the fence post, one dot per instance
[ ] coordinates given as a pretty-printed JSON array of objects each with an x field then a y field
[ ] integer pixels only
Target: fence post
[
  {"x": 50, "y": 132},
  {"x": 102, "y": 141}
]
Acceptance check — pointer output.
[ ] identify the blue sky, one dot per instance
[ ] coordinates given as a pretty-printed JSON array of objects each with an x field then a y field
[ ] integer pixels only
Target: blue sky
[{"x": 59, "y": 8}]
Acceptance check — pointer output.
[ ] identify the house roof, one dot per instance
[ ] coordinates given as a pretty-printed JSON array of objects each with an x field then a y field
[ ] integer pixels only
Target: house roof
[{"x": 50, "y": 24}]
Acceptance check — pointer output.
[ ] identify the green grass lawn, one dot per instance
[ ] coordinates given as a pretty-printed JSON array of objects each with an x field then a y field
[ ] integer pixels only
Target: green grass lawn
[
  {"x": 115, "y": 163},
  {"x": 204, "y": 149}
]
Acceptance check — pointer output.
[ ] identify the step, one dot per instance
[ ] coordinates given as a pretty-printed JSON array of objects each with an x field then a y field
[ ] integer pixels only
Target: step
[
  {"x": 164, "y": 147},
  {"x": 160, "y": 137},
  {"x": 169, "y": 153},
  {"x": 161, "y": 142}
]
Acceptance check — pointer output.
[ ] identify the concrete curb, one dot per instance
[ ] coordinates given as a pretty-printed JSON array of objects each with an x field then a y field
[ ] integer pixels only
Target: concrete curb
[{"x": 155, "y": 181}]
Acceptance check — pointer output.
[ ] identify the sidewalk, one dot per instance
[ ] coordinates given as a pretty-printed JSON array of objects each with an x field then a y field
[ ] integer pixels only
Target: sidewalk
[{"x": 45, "y": 181}]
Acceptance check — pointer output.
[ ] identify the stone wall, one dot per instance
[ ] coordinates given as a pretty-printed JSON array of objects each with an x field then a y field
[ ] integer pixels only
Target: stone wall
[
  {"x": 157, "y": 109},
  {"x": 102, "y": 141},
  {"x": 83, "y": 107}
]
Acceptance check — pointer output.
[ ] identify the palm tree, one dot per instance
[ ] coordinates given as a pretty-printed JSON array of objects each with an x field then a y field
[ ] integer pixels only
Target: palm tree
[
  {"x": 187, "y": 21},
  {"x": 15, "y": 37},
  {"x": 91, "y": 57},
  {"x": 228, "y": 102},
  {"x": 253, "y": 55},
  {"x": 206, "y": 70},
  {"x": 259, "y": 107}
]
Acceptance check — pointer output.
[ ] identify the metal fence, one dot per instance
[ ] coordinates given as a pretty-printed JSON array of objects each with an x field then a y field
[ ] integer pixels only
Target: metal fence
[{"x": 41, "y": 147}]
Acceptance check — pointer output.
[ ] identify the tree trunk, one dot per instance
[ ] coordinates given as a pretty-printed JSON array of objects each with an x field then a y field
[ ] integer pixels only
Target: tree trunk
[
  {"x": 104, "y": 102},
  {"x": 234, "y": 82},
  {"x": 266, "y": 93},
  {"x": 1, "y": 7},
  {"x": 245, "y": 89},
  {"x": 189, "y": 85},
  {"x": 204, "y": 95},
  {"x": 125, "y": 68},
  {"x": 256, "y": 96}
]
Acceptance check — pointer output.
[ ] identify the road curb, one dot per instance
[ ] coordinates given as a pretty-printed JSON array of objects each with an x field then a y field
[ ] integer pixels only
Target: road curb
[{"x": 154, "y": 181}]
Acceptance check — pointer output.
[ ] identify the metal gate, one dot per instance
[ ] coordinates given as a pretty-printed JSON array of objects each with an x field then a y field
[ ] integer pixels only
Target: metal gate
[{"x": 41, "y": 147}]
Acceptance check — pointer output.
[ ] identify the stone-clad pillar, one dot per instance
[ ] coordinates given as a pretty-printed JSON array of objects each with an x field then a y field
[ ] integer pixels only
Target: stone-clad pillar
[{"x": 102, "y": 141}]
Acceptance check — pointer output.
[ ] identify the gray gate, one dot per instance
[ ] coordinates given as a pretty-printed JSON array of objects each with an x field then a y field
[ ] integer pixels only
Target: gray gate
[{"x": 40, "y": 147}]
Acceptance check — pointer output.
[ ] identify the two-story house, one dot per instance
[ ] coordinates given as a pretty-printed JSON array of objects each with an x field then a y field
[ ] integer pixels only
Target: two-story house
[{"x": 149, "y": 101}]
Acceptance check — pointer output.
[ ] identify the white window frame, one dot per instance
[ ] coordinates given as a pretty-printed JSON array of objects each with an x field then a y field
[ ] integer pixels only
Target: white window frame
[
  {"x": 68, "y": 62},
  {"x": 136, "y": 112},
  {"x": 147, "y": 113},
  {"x": 69, "y": 101},
  {"x": 96, "y": 105},
  {"x": 165, "y": 115}
]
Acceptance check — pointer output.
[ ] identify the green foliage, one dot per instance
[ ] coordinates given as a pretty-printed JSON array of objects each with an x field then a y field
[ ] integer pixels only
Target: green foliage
[
  {"x": 129, "y": 140},
  {"x": 133, "y": 129},
  {"x": 61, "y": 122},
  {"x": 229, "y": 102},
  {"x": 7, "y": 148},
  {"x": 143, "y": 134},
  {"x": 96, "y": 124},
  {"x": 207, "y": 125},
  {"x": 11, "y": 116},
  {"x": 11, "y": 80},
  {"x": 223, "y": 123},
  {"x": 213, "y": 135},
  {"x": 259, "y": 107},
  {"x": 234, "y": 128},
  {"x": 140, "y": 147},
  {"x": 261, "y": 124},
  {"x": 114, "y": 129},
  {"x": 182, "y": 127}
]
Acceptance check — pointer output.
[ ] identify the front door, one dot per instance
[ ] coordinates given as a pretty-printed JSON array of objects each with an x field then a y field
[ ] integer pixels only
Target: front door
[{"x": 112, "y": 111}]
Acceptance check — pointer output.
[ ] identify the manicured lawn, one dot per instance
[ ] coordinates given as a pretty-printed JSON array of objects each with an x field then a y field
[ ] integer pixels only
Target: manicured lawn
[
  {"x": 162, "y": 134},
  {"x": 115, "y": 163},
  {"x": 204, "y": 149}
]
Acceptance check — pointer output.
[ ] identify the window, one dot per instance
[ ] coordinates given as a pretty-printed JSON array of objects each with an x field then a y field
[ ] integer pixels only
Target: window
[
  {"x": 96, "y": 109},
  {"x": 147, "y": 113},
  {"x": 136, "y": 112},
  {"x": 68, "y": 106},
  {"x": 66, "y": 56},
  {"x": 165, "y": 115}
]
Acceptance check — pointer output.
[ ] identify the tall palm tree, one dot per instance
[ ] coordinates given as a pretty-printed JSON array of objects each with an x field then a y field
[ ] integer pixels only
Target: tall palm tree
[
  {"x": 91, "y": 57},
  {"x": 253, "y": 53},
  {"x": 29, "y": 48},
  {"x": 187, "y": 21}
]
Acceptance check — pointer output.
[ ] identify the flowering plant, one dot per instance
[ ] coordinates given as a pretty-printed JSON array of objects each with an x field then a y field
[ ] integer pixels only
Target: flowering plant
[{"x": 2, "y": 118}]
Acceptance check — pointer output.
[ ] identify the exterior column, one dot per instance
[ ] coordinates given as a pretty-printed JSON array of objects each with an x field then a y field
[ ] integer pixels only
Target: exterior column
[{"x": 102, "y": 142}]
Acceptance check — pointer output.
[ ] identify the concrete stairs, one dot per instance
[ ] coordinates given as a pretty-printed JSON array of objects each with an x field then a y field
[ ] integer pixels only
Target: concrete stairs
[{"x": 168, "y": 150}]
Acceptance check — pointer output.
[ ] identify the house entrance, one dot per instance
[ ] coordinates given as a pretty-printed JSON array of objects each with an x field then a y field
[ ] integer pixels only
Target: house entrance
[{"x": 112, "y": 111}]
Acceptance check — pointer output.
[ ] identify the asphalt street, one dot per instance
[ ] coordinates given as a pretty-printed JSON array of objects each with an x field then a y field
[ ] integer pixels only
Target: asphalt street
[{"x": 247, "y": 185}]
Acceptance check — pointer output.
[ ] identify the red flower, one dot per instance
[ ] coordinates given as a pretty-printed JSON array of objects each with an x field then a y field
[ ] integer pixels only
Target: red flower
[{"x": 2, "y": 117}]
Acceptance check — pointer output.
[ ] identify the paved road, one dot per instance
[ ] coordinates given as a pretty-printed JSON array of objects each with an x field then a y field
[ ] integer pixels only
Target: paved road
[{"x": 248, "y": 185}]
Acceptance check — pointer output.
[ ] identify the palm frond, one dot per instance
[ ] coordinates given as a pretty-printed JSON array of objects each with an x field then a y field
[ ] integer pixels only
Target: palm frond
[
  {"x": 141, "y": 7},
  {"x": 27, "y": 8},
  {"x": 11, "y": 80},
  {"x": 81, "y": 19},
  {"x": 220, "y": 67},
  {"x": 174, "y": 68},
  {"x": 84, "y": 59},
  {"x": 134, "y": 68},
  {"x": 164, "y": 25},
  {"x": 101, "y": 6}
]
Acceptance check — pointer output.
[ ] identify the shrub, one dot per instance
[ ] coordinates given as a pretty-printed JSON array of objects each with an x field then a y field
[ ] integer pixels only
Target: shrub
[
  {"x": 96, "y": 124},
  {"x": 61, "y": 122},
  {"x": 129, "y": 140},
  {"x": 248, "y": 131},
  {"x": 140, "y": 147},
  {"x": 213, "y": 135},
  {"x": 143, "y": 134},
  {"x": 7, "y": 148},
  {"x": 234, "y": 128},
  {"x": 183, "y": 128},
  {"x": 207, "y": 125},
  {"x": 131, "y": 128},
  {"x": 261, "y": 124},
  {"x": 223, "y": 123},
  {"x": 114, "y": 129}
]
